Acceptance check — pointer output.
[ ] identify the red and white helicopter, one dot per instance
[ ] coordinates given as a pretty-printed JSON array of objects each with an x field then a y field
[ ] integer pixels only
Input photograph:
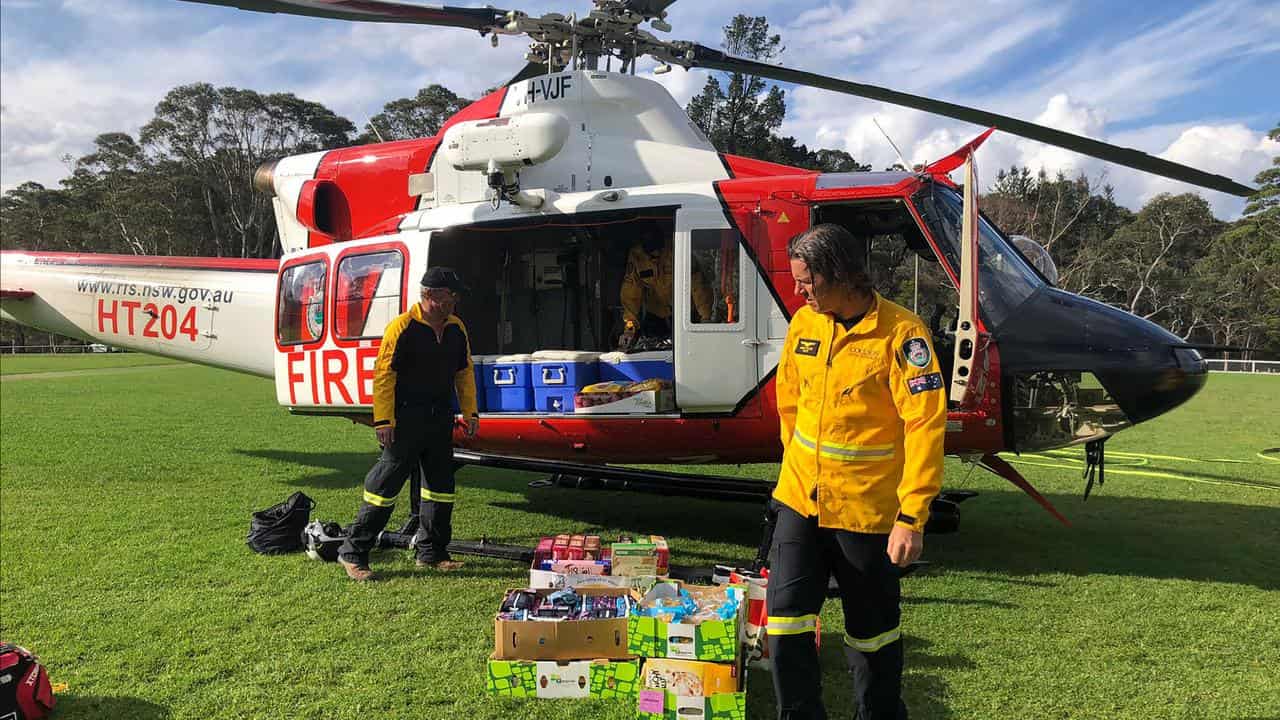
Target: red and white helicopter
[{"x": 535, "y": 193}]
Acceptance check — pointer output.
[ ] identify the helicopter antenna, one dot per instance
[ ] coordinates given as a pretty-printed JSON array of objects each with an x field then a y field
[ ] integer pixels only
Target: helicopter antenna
[{"x": 892, "y": 144}]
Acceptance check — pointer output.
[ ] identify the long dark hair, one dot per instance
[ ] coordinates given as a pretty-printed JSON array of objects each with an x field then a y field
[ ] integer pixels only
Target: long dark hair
[{"x": 834, "y": 253}]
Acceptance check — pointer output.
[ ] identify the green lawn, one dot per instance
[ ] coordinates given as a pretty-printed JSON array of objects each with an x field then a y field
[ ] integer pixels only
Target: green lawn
[
  {"x": 124, "y": 501},
  {"x": 19, "y": 364}
]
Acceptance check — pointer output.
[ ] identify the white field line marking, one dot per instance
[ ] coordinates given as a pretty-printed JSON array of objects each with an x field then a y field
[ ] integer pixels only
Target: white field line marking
[{"x": 53, "y": 374}]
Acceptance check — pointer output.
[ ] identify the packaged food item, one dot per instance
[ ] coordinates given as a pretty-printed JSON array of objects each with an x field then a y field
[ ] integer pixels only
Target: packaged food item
[
  {"x": 689, "y": 677},
  {"x": 577, "y": 548},
  {"x": 560, "y": 548}
]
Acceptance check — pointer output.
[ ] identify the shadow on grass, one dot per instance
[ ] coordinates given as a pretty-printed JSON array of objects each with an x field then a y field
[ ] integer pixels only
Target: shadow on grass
[
  {"x": 1002, "y": 532},
  {"x": 1127, "y": 536},
  {"x": 344, "y": 469},
  {"x": 923, "y": 688},
  {"x": 101, "y": 706}
]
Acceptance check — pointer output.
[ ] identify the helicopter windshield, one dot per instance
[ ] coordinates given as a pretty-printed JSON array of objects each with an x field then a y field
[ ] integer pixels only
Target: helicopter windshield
[{"x": 1005, "y": 280}]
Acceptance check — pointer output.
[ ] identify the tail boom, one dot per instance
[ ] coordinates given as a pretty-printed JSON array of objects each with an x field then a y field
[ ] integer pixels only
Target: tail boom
[{"x": 211, "y": 311}]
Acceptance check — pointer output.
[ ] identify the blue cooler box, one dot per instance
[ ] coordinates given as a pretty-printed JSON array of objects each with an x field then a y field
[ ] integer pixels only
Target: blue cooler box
[
  {"x": 635, "y": 367},
  {"x": 558, "y": 375},
  {"x": 507, "y": 385}
]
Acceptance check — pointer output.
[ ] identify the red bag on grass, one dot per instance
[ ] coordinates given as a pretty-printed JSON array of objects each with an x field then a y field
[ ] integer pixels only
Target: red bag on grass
[{"x": 25, "y": 693}]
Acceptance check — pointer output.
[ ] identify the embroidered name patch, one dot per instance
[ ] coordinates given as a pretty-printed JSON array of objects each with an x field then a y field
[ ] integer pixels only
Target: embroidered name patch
[
  {"x": 805, "y": 346},
  {"x": 932, "y": 381},
  {"x": 862, "y": 352},
  {"x": 916, "y": 351}
]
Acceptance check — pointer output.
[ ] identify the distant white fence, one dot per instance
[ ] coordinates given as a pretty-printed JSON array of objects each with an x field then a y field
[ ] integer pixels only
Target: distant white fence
[
  {"x": 1271, "y": 367},
  {"x": 54, "y": 349}
]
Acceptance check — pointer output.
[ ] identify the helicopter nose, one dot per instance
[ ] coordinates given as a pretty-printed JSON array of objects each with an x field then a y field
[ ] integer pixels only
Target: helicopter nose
[
  {"x": 1145, "y": 369},
  {"x": 1157, "y": 389}
]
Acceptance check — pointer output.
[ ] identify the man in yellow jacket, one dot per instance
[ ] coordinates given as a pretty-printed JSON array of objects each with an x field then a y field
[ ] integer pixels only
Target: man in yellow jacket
[
  {"x": 424, "y": 359},
  {"x": 863, "y": 413},
  {"x": 648, "y": 290}
]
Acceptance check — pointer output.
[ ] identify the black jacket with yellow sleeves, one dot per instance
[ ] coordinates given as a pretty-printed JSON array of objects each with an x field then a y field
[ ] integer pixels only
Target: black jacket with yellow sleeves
[
  {"x": 863, "y": 414},
  {"x": 416, "y": 368}
]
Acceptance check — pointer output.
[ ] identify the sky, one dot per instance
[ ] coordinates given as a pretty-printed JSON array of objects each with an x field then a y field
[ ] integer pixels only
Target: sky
[{"x": 1194, "y": 82}]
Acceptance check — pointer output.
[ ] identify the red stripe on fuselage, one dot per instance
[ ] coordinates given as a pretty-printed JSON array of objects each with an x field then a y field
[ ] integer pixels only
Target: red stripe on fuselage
[
  {"x": 374, "y": 179},
  {"x": 150, "y": 261},
  {"x": 745, "y": 167}
]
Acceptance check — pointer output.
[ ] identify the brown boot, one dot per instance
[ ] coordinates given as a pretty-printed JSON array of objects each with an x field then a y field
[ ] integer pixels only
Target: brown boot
[{"x": 357, "y": 572}]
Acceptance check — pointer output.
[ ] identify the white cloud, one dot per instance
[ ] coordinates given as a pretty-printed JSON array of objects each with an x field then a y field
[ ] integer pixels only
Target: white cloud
[
  {"x": 682, "y": 84},
  {"x": 1133, "y": 76}
]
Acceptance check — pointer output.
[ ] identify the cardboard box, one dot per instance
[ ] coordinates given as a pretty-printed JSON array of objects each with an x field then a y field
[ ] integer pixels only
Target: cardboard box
[
  {"x": 663, "y": 705},
  {"x": 579, "y": 567},
  {"x": 681, "y": 689},
  {"x": 602, "y": 679},
  {"x": 709, "y": 640},
  {"x": 565, "y": 639},
  {"x": 642, "y": 403},
  {"x": 546, "y": 579},
  {"x": 634, "y": 558}
]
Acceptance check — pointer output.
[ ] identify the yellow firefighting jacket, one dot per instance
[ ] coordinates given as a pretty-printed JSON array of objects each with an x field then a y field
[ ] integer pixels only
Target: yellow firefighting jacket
[
  {"x": 863, "y": 414},
  {"x": 417, "y": 367},
  {"x": 649, "y": 284}
]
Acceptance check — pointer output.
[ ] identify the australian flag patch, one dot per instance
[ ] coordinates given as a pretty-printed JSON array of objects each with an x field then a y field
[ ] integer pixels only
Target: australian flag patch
[{"x": 932, "y": 381}]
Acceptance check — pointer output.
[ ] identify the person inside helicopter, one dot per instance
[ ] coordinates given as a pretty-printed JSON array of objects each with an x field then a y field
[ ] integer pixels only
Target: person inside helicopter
[{"x": 648, "y": 290}]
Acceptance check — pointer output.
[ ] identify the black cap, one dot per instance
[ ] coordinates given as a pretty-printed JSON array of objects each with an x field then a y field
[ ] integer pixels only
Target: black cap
[{"x": 443, "y": 277}]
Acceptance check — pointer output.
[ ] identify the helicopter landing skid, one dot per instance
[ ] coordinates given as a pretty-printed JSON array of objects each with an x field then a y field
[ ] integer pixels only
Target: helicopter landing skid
[{"x": 944, "y": 512}]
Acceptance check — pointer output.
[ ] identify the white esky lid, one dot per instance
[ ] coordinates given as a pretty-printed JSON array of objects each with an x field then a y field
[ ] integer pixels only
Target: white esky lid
[
  {"x": 617, "y": 358},
  {"x": 565, "y": 356}
]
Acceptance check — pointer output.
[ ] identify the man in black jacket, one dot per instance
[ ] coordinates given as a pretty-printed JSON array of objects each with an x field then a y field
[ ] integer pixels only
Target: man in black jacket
[{"x": 425, "y": 357}]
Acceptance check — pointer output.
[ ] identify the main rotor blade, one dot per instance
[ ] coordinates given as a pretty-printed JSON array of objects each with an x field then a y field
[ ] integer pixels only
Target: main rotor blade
[
  {"x": 480, "y": 19},
  {"x": 717, "y": 60},
  {"x": 649, "y": 8}
]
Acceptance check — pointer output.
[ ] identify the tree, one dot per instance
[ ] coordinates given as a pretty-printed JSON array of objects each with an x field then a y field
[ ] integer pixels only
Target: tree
[
  {"x": 218, "y": 137},
  {"x": 741, "y": 117},
  {"x": 1240, "y": 278},
  {"x": 836, "y": 161},
  {"x": 1067, "y": 216},
  {"x": 31, "y": 218},
  {"x": 1147, "y": 268},
  {"x": 420, "y": 116}
]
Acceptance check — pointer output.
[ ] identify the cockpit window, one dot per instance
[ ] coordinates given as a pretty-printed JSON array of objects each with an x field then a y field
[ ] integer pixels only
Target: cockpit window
[{"x": 1004, "y": 278}]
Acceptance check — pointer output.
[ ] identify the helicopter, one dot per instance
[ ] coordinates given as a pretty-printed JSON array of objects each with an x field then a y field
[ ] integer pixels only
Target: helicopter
[{"x": 535, "y": 193}]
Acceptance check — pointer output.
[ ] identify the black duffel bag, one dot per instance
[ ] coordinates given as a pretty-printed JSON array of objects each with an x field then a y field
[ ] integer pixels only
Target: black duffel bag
[{"x": 278, "y": 529}]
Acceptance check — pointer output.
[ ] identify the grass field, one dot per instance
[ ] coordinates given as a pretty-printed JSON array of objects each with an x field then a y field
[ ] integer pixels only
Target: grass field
[{"x": 125, "y": 498}]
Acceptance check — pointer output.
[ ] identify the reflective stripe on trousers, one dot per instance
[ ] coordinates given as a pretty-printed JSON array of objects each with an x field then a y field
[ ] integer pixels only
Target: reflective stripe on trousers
[
  {"x": 779, "y": 625},
  {"x": 873, "y": 644},
  {"x": 438, "y": 496}
]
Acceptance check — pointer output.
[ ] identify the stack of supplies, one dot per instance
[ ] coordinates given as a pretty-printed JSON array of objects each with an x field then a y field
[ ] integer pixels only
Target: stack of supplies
[
  {"x": 569, "y": 561},
  {"x": 690, "y": 638},
  {"x": 563, "y": 644}
]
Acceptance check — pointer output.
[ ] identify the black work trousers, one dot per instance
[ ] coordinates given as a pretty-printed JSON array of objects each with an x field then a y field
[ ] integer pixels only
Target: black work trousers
[
  {"x": 801, "y": 560},
  {"x": 423, "y": 439}
]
